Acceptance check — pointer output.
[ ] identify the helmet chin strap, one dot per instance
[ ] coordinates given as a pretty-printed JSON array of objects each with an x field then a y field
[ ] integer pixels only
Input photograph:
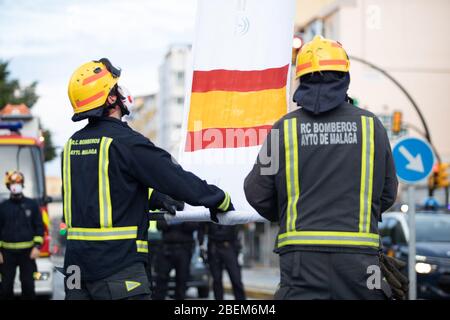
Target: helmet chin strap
[{"x": 118, "y": 102}]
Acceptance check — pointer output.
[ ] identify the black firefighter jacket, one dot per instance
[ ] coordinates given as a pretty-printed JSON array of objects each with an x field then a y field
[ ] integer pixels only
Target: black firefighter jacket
[
  {"x": 325, "y": 173},
  {"x": 107, "y": 171},
  {"x": 21, "y": 224}
]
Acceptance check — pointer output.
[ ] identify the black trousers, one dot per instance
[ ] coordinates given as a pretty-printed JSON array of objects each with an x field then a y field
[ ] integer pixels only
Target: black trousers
[
  {"x": 225, "y": 255},
  {"x": 172, "y": 256},
  {"x": 154, "y": 247},
  {"x": 131, "y": 283},
  {"x": 310, "y": 275},
  {"x": 12, "y": 260}
]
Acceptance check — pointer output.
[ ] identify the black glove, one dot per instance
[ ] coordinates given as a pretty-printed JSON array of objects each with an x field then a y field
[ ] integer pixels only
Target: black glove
[
  {"x": 390, "y": 267},
  {"x": 223, "y": 207},
  {"x": 165, "y": 202}
]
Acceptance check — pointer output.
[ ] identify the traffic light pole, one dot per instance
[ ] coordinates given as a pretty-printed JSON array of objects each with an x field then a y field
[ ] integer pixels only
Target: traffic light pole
[
  {"x": 415, "y": 106},
  {"x": 412, "y": 243},
  {"x": 405, "y": 92}
]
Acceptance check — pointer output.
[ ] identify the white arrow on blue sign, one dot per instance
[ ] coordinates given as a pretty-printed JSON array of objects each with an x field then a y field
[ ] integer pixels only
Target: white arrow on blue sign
[{"x": 414, "y": 160}]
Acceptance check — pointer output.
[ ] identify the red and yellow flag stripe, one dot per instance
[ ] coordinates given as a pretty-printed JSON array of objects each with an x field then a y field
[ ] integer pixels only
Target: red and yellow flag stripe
[{"x": 240, "y": 106}]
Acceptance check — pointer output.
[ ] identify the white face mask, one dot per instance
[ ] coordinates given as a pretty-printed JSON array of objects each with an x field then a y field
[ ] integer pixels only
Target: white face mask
[
  {"x": 126, "y": 98},
  {"x": 16, "y": 188}
]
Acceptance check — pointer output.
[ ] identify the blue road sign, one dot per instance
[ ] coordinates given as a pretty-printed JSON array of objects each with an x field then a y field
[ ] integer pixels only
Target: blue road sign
[{"x": 414, "y": 160}]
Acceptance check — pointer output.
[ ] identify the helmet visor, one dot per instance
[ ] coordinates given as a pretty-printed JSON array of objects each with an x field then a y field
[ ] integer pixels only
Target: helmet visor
[{"x": 109, "y": 66}]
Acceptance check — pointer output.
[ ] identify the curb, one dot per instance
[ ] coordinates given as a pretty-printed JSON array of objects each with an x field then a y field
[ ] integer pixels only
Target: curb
[{"x": 252, "y": 292}]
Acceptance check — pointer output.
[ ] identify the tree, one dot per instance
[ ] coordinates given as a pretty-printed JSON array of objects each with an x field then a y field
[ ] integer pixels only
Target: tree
[
  {"x": 12, "y": 92},
  {"x": 49, "y": 148}
]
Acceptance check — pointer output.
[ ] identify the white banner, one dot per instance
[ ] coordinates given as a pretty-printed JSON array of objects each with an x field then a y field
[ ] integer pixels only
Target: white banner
[{"x": 237, "y": 88}]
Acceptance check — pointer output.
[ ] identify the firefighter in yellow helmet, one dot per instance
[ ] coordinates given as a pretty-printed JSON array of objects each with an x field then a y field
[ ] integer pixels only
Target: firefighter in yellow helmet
[
  {"x": 335, "y": 178},
  {"x": 21, "y": 235},
  {"x": 112, "y": 177}
]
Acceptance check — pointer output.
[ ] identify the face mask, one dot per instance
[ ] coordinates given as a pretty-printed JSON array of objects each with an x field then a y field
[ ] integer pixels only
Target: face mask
[
  {"x": 16, "y": 188},
  {"x": 126, "y": 98}
]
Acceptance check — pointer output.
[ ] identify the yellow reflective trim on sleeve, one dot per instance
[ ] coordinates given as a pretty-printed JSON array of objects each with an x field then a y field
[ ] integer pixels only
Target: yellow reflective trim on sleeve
[
  {"x": 103, "y": 184},
  {"x": 38, "y": 239},
  {"x": 67, "y": 184},
  {"x": 18, "y": 245},
  {"x": 225, "y": 203},
  {"x": 142, "y": 246}
]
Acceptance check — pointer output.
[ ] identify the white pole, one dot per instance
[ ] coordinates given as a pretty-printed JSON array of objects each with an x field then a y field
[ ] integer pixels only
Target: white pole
[
  {"x": 412, "y": 243},
  {"x": 202, "y": 215}
]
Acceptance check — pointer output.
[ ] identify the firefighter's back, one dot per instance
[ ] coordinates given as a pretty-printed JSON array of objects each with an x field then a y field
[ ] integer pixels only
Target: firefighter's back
[{"x": 103, "y": 205}]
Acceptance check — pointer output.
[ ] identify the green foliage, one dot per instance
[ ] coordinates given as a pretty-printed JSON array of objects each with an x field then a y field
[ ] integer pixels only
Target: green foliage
[
  {"x": 12, "y": 92},
  {"x": 49, "y": 149}
]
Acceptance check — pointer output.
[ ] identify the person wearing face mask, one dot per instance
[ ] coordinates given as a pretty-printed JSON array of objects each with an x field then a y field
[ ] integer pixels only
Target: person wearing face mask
[
  {"x": 21, "y": 235},
  {"x": 112, "y": 176}
]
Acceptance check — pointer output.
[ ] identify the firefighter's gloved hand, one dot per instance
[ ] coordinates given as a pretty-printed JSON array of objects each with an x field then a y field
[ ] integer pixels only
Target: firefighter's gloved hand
[
  {"x": 223, "y": 207},
  {"x": 390, "y": 267},
  {"x": 165, "y": 202}
]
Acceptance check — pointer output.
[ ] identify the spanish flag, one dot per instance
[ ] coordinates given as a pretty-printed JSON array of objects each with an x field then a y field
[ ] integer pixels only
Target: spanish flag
[
  {"x": 234, "y": 108},
  {"x": 237, "y": 88}
]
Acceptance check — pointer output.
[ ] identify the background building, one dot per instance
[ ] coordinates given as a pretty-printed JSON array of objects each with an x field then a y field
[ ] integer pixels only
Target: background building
[
  {"x": 171, "y": 96},
  {"x": 144, "y": 117},
  {"x": 405, "y": 38},
  {"x": 409, "y": 40}
]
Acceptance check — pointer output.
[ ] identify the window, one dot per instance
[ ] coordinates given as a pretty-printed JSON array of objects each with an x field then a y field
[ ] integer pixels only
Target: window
[
  {"x": 433, "y": 228},
  {"x": 180, "y": 100},
  {"x": 27, "y": 160},
  {"x": 392, "y": 228},
  {"x": 180, "y": 77}
]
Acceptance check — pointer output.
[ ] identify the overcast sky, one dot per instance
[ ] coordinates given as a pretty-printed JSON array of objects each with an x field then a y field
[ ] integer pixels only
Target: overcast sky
[{"x": 45, "y": 40}]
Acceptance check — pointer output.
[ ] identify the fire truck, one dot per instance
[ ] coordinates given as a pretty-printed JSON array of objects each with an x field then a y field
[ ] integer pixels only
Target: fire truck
[{"x": 22, "y": 148}]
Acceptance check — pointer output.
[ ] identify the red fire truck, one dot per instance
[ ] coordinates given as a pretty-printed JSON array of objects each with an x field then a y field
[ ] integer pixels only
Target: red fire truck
[{"x": 22, "y": 148}]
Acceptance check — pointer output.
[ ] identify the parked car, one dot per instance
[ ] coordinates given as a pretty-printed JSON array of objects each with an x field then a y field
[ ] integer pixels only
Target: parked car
[{"x": 432, "y": 249}]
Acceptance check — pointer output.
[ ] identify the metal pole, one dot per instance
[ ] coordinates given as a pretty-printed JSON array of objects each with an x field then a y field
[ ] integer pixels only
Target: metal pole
[
  {"x": 405, "y": 92},
  {"x": 267, "y": 247},
  {"x": 412, "y": 243}
]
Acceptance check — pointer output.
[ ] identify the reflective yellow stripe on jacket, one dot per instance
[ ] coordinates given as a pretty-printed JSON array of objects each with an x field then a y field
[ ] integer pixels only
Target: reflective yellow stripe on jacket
[
  {"x": 106, "y": 231},
  {"x": 38, "y": 239},
  {"x": 142, "y": 246},
  {"x": 104, "y": 195},
  {"x": 367, "y": 155},
  {"x": 18, "y": 245},
  {"x": 67, "y": 184},
  {"x": 362, "y": 238},
  {"x": 292, "y": 177},
  {"x": 102, "y": 234},
  {"x": 328, "y": 238}
]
